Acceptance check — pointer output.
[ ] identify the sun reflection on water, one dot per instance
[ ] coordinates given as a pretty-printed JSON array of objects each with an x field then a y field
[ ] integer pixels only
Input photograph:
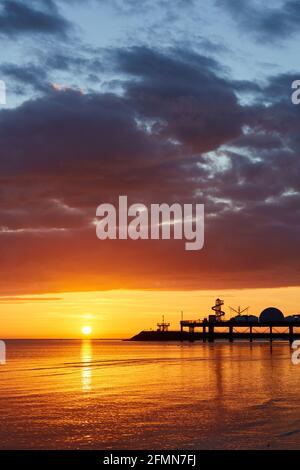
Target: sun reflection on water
[{"x": 86, "y": 359}]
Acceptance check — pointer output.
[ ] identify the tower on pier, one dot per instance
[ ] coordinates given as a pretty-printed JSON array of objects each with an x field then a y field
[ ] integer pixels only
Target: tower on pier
[{"x": 163, "y": 326}]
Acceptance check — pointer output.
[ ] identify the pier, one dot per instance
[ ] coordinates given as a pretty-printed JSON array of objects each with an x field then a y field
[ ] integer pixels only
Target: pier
[
  {"x": 270, "y": 325},
  {"x": 232, "y": 329}
]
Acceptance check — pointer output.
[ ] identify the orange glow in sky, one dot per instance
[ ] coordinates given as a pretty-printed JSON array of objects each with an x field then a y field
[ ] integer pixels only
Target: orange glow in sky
[{"x": 123, "y": 313}]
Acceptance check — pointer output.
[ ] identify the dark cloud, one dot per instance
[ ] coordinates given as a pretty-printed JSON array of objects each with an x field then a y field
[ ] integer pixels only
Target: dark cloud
[
  {"x": 160, "y": 116},
  {"x": 184, "y": 96},
  {"x": 38, "y": 77},
  {"x": 270, "y": 23},
  {"x": 18, "y": 17},
  {"x": 176, "y": 132},
  {"x": 23, "y": 77},
  {"x": 83, "y": 133}
]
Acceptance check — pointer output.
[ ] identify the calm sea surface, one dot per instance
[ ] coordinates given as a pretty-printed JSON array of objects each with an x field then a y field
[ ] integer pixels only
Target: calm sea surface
[{"x": 114, "y": 394}]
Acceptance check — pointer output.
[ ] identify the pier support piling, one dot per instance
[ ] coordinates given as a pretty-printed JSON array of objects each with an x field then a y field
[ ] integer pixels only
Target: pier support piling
[
  {"x": 204, "y": 334},
  {"x": 291, "y": 334},
  {"x": 191, "y": 334},
  {"x": 211, "y": 333},
  {"x": 230, "y": 333}
]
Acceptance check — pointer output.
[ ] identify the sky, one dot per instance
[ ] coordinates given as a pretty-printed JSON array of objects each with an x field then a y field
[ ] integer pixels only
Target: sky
[{"x": 183, "y": 101}]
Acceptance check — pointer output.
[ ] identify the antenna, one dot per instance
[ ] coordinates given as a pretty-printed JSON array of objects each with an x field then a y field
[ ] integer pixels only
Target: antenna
[{"x": 239, "y": 310}]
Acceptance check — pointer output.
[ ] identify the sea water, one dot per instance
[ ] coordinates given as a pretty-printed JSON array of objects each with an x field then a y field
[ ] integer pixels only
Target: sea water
[{"x": 128, "y": 395}]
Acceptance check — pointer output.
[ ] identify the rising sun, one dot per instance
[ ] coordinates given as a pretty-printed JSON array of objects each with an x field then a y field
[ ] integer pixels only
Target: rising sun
[{"x": 86, "y": 330}]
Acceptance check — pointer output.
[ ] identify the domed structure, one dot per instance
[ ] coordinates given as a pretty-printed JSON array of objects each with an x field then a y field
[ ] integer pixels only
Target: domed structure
[{"x": 271, "y": 315}]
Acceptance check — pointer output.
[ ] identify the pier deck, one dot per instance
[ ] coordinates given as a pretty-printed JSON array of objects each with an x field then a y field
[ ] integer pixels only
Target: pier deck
[{"x": 211, "y": 330}]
